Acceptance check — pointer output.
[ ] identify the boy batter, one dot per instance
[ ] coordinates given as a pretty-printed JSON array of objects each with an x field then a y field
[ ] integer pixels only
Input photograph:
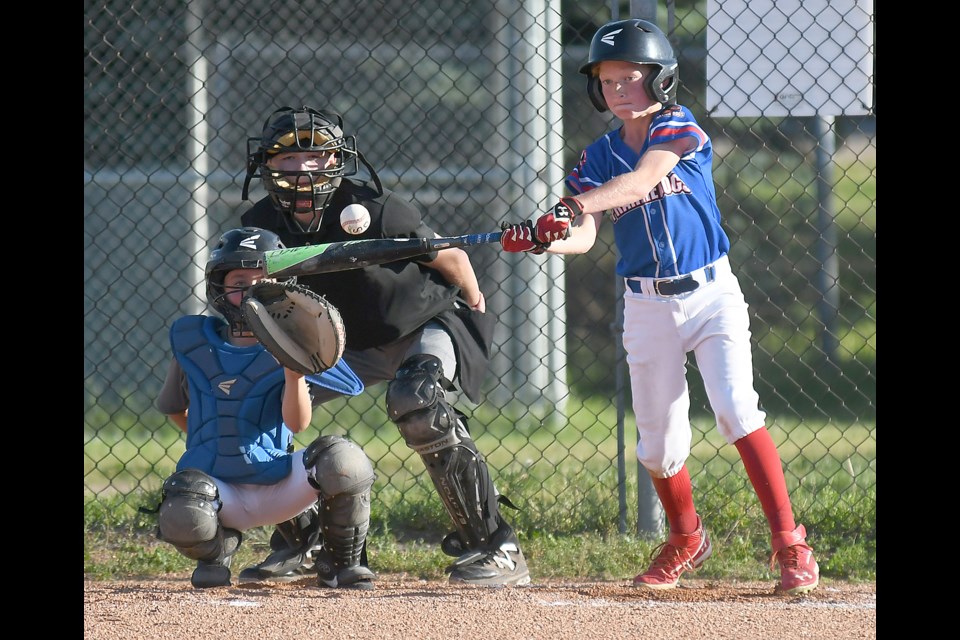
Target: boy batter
[{"x": 653, "y": 177}]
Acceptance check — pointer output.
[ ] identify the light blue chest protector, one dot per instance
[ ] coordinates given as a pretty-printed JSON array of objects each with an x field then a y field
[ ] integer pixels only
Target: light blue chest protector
[{"x": 235, "y": 430}]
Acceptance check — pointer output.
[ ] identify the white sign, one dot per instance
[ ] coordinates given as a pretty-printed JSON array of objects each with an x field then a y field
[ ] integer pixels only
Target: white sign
[{"x": 789, "y": 58}]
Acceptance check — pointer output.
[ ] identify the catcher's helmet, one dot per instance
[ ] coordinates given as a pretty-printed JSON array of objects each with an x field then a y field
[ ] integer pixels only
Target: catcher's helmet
[
  {"x": 240, "y": 248},
  {"x": 289, "y": 130},
  {"x": 636, "y": 41}
]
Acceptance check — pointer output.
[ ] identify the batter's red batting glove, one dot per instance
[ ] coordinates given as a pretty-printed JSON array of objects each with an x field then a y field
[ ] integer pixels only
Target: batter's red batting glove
[
  {"x": 555, "y": 225},
  {"x": 518, "y": 238}
]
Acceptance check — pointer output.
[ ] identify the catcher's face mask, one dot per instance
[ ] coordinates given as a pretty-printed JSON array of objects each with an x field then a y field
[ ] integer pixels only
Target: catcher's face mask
[
  {"x": 237, "y": 249},
  {"x": 237, "y": 281},
  {"x": 301, "y": 157}
]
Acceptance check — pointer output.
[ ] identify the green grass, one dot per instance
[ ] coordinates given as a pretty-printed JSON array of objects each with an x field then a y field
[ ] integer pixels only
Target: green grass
[
  {"x": 128, "y": 450},
  {"x": 561, "y": 471},
  {"x": 119, "y": 541}
]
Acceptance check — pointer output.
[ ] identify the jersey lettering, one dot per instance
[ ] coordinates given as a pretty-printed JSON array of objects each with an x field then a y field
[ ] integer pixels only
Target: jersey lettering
[{"x": 668, "y": 186}]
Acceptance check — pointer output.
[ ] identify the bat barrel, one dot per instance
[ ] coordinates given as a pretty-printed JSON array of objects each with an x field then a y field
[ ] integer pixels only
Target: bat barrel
[{"x": 356, "y": 254}]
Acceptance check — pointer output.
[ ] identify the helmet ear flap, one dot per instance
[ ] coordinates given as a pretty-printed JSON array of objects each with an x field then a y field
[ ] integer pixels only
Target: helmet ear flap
[
  {"x": 663, "y": 86},
  {"x": 596, "y": 93}
]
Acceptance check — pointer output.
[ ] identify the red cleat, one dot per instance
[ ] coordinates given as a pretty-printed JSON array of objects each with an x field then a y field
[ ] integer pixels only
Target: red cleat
[
  {"x": 799, "y": 572},
  {"x": 681, "y": 552}
]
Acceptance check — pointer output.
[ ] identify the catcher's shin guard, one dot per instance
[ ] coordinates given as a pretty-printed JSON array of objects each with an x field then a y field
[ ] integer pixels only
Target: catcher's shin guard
[
  {"x": 188, "y": 520},
  {"x": 343, "y": 475},
  {"x": 438, "y": 432}
]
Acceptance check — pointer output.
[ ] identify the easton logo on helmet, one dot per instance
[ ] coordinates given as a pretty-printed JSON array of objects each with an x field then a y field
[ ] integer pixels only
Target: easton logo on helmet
[
  {"x": 250, "y": 243},
  {"x": 608, "y": 39}
]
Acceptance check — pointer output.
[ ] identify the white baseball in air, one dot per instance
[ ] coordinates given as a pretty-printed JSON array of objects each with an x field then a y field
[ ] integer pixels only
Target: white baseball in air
[{"x": 355, "y": 219}]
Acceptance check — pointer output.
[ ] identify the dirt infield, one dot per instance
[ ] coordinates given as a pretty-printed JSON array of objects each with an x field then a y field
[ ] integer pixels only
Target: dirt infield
[{"x": 402, "y": 608}]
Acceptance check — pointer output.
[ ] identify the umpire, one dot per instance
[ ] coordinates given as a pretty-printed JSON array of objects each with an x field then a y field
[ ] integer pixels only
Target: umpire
[{"x": 419, "y": 324}]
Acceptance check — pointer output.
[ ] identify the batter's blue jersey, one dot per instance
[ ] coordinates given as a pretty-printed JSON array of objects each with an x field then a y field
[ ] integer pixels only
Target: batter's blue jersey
[{"x": 676, "y": 228}]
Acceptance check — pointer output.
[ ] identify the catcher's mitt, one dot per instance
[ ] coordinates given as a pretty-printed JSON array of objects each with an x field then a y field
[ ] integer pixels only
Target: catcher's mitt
[{"x": 300, "y": 328}]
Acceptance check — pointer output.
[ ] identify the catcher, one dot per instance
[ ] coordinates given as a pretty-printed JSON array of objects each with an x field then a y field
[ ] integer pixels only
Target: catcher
[
  {"x": 420, "y": 325},
  {"x": 239, "y": 469}
]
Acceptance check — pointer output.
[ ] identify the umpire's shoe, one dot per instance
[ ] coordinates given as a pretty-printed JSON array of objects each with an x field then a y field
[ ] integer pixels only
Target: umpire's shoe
[{"x": 500, "y": 564}]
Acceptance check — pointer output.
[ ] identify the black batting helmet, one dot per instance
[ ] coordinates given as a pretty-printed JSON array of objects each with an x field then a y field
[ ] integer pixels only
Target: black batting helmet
[
  {"x": 240, "y": 248},
  {"x": 640, "y": 42},
  {"x": 289, "y": 130}
]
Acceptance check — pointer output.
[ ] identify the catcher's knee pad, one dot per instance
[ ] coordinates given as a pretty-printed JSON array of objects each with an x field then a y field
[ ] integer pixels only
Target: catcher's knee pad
[
  {"x": 336, "y": 466},
  {"x": 343, "y": 475},
  {"x": 188, "y": 517},
  {"x": 438, "y": 432}
]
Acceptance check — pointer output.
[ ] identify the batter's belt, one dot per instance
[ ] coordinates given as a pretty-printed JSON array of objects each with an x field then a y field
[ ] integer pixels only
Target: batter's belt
[{"x": 670, "y": 287}]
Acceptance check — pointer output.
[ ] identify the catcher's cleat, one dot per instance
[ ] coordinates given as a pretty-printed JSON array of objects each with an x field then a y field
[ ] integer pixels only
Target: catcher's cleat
[
  {"x": 329, "y": 575},
  {"x": 681, "y": 552},
  {"x": 293, "y": 544},
  {"x": 211, "y": 574},
  {"x": 799, "y": 571},
  {"x": 501, "y": 564},
  {"x": 286, "y": 565}
]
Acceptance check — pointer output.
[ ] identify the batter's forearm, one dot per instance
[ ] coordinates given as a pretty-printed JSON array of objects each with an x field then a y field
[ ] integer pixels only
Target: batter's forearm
[{"x": 583, "y": 235}]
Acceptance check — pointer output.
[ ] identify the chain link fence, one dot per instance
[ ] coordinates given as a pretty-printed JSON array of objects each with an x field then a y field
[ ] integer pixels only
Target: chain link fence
[{"x": 475, "y": 112}]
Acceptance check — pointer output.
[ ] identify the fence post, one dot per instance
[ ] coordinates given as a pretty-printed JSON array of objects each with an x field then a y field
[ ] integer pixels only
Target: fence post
[{"x": 826, "y": 236}]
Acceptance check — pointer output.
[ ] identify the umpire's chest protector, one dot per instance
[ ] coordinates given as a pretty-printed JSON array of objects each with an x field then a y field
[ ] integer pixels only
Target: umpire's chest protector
[{"x": 235, "y": 429}]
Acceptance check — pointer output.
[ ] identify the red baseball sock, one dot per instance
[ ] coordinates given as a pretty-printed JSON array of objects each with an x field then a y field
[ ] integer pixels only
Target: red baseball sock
[
  {"x": 762, "y": 462},
  {"x": 676, "y": 496}
]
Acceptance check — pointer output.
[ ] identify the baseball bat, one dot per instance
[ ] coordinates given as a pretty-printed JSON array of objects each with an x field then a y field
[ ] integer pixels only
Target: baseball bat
[{"x": 356, "y": 254}]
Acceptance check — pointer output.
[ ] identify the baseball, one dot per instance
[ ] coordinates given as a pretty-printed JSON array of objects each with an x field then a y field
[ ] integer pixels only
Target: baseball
[{"x": 355, "y": 219}]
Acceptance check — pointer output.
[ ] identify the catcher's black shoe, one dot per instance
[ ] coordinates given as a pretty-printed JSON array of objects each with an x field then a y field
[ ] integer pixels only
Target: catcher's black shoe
[
  {"x": 216, "y": 573},
  {"x": 329, "y": 575},
  {"x": 211, "y": 574},
  {"x": 281, "y": 566},
  {"x": 500, "y": 564},
  {"x": 293, "y": 544}
]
